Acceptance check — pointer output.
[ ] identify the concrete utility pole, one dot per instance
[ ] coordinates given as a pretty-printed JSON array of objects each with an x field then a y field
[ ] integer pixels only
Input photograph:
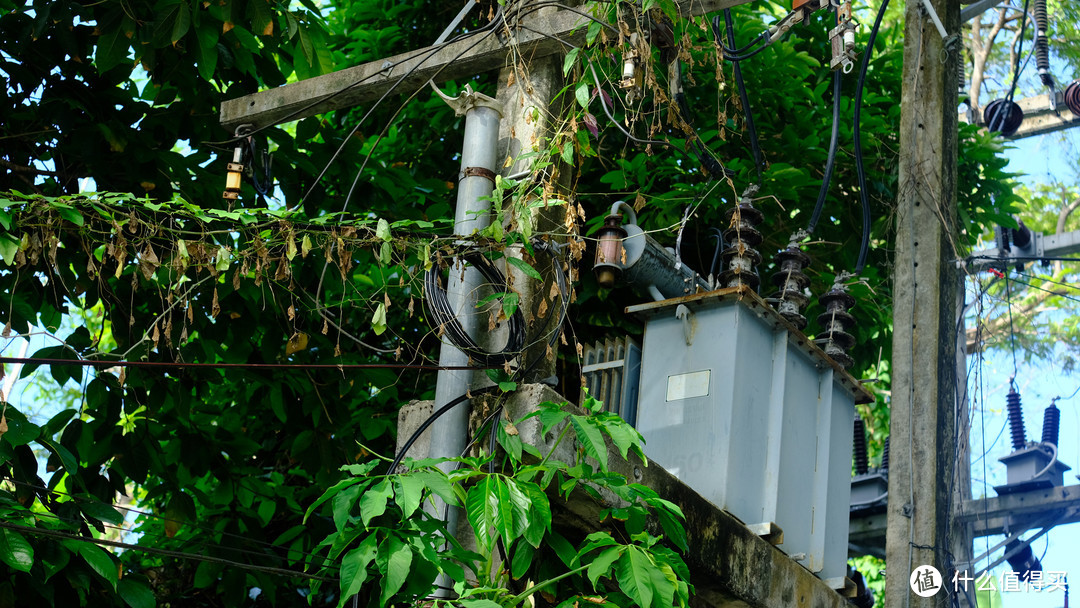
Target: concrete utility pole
[{"x": 925, "y": 404}]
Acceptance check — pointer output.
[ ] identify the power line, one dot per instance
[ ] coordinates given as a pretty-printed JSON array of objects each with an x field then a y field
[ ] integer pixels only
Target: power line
[
  {"x": 1053, "y": 293},
  {"x": 166, "y": 552},
  {"x": 165, "y": 519},
  {"x": 253, "y": 366}
]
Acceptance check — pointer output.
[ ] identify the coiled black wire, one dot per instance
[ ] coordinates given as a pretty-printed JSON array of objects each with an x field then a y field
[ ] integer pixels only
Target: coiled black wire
[
  {"x": 755, "y": 147},
  {"x": 860, "y": 170},
  {"x": 830, "y": 162},
  {"x": 563, "y": 283},
  {"x": 446, "y": 318}
]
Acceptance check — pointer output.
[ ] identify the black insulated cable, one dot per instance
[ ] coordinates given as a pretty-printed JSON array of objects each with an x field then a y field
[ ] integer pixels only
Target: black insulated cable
[
  {"x": 737, "y": 55},
  {"x": 830, "y": 162},
  {"x": 744, "y": 99},
  {"x": 446, "y": 318},
  {"x": 1008, "y": 112},
  {"x": 860, "y": 170}
]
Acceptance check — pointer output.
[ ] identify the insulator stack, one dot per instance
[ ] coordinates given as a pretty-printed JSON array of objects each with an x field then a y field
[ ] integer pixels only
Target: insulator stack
[
  {"x": 740, "y": 257},
  {"x": 1051, "y": 424},
  {"x": 835, "y": 321},
  {"x": 1016, "y": 419},
  {"x": 885, "y": 457},
  {"x": 1042, "y": 48},
  {"x": 791, "y": 282},
  {"x": 962, "y": 80},
  {"x": 862, "y": 461},
  {"x": 1003, "y": 116}
]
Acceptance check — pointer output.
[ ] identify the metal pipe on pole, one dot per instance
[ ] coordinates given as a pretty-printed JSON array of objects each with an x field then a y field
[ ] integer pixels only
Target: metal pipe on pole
[{"x": 476, "y": 181}]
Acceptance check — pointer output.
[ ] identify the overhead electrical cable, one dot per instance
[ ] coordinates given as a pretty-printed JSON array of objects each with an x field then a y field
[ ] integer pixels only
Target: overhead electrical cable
[
  {"x": 1001, "y": 117},
  {"x": 831, "y": 159},
  {"x": 860, "y": 170},
  {"x": 755, "y": 146},
  {"x": 100, "y": 363},
  {"x": 165, "y": 552}
]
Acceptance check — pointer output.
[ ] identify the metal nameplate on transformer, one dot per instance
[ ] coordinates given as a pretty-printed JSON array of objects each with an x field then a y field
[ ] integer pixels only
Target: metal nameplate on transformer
[{"x": 688, "y": 386}]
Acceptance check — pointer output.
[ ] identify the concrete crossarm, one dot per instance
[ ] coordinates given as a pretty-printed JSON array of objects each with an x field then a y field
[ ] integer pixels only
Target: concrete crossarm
[
  {"x": 472, "y": 55},
  {"x": 992, "y": 515}
]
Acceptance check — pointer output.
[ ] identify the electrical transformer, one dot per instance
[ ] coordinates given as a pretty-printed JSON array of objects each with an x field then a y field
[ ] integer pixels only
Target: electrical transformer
[{"x": 742, "y": 407}]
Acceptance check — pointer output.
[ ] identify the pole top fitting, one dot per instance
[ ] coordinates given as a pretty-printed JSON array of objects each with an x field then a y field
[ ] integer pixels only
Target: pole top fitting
[{"x": 469, "y": 99}]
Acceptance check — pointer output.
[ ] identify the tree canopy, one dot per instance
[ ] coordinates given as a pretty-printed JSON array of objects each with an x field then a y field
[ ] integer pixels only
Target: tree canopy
[{"x": 249, "y": 358}]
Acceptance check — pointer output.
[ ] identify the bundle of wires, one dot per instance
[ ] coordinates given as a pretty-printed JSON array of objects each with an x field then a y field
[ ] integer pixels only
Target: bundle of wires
[
  {"x": 563, "y": 283},
  {"x": 440, "y": 310}
]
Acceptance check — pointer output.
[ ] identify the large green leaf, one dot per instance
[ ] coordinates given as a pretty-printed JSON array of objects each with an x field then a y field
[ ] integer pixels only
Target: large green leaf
[
  {"x": 354, "y": 568},
  {"x": 136, "y": 594},
  {"x": 332, "y": 492},
  {"x": 373, "y": 502},
  {"x": 15, "y": 551},
  {"x": 101, "y": 562},
  {"x": 642, "y": 580},
  {"x": 601, "y": 564},
  {"x": 590, "y": 438},
  {"x": 393, "y": 560},
  {"x": 408, "y": 492}
]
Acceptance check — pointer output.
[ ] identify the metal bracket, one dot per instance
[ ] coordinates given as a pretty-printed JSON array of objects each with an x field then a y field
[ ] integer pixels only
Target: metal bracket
[{"x": 469, "y": 99}]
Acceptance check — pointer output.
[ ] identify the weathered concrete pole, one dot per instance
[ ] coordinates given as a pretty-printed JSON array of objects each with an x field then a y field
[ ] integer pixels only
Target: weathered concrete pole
[{"x": 925, "y": 282}]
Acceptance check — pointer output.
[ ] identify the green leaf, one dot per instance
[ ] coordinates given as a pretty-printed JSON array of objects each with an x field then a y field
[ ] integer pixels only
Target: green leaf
[
  {"x": 571, "y": 58},
  {"x": 182, "y": 23},
  {"x": 394, "y": 560},
  {"x": 437, "y": 483},
  {"x": 590, "y": 438},
  {"x": 479, "y": 604},
  {"x": 333, "y": 491},
  {"x": 539, "y": 514},
  {"x": 373, "y": 502},
  {"x": 112, "y": 47},
  {"x": 353, "y": 571},
  {"x": 101, "y": 512},
  {"x": 136, "y": 594},
  {"x": 70, "y": 214},
  {"x": 9, "y": 246},
  {"x": 524, "y": 267},
  {"x": 568, "y": 152},
  {"x": 562, "y": 548},
  {"x": 343, "y": 504},
  {"x": 408, "y": 492},
  {"x": 581, "y": 93},
  {"x": 622, "y": 435},
  {"x": 378, "y": 320},
  {"x": 15, "y": 551},
  {"x": 206, "y": 574},
  {"x": 382, "y": 231},
  {"x": 101, "y": 562},
  {"x": 638, "y": 576},
  {"x": 601, "y": 564},
  {"x": 65, "y": 455},
  {"x": 522, "y": 559}
]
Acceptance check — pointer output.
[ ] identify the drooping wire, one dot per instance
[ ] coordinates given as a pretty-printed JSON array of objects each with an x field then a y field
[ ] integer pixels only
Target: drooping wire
[
  {"x": 860, "y": 170},
  {"x": 1012, "y": 328},
  {"x": 755, "y": 146},
  {"x": 831, "y": 160},
  {"x": 1000, "y": 117}
]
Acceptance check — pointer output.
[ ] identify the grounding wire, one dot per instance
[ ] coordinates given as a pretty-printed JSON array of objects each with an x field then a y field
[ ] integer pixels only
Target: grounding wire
[
  {"x": 860, "y": 170},
  {"x": 831, "y": 160},
  {"x": 755, "y": 146}
]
